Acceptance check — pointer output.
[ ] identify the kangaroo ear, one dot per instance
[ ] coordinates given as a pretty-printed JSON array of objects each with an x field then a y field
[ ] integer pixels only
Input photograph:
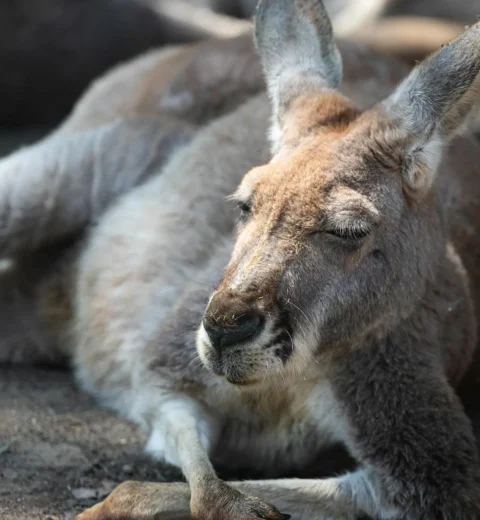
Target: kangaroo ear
[
  {"x": 435, "y": 102},
  {"x": 295, "y": 41}
]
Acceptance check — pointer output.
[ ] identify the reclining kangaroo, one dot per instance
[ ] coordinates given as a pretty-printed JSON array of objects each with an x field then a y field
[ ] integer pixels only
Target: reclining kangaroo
[{"x": 345, "y": 312}]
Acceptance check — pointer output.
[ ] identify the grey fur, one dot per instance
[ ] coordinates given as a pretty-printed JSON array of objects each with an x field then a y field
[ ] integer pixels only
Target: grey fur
[
  {"x": 426, "y": 99},
  {"x": 297, "y": 50}
]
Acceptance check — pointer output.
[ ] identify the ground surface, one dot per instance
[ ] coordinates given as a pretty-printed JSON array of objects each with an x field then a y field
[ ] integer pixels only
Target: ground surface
[{"x": 59, "y": 452}]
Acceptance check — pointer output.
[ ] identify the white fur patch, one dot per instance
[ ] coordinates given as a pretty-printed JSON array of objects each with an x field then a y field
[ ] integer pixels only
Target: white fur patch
[
  {"x": 175, "y": 416},
  {"x": 203, "y": 343}
]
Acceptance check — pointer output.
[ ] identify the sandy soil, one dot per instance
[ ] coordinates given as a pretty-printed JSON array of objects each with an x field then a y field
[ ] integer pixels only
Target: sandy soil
[{"x": 59, "y": 452}]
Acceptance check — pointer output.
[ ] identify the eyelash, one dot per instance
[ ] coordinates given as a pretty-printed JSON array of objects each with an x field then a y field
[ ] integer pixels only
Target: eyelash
[{"x": 349, "y": 233}]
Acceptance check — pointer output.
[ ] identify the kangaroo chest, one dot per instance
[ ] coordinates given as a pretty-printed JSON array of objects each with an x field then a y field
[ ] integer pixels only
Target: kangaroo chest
[{"x": 277, "y": 431}]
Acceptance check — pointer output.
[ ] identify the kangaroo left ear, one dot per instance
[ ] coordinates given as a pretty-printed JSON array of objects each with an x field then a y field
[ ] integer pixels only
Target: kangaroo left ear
[
  {"x": 299, "y": 55},
  {"x": 434, "y": 103}
]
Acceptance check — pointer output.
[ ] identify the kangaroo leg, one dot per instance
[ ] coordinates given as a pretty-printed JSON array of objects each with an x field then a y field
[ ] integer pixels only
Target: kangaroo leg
[
  {"x": 121, "y": 133},
  {"x": 53, "y": 189},
  {"x": 302, "y": 499},
  {"x": 145, "y": 500}
]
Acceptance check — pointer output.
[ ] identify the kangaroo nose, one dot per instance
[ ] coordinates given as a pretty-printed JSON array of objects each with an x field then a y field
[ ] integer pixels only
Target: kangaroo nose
[{"x": 223, "y": 333}]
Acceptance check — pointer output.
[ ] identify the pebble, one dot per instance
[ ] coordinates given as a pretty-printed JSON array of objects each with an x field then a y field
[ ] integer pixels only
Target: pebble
[{"x": 84, "y": 493}]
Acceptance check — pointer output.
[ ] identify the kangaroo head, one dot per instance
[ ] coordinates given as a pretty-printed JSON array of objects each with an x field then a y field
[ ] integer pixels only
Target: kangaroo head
[{"x": 340, "y": 233}]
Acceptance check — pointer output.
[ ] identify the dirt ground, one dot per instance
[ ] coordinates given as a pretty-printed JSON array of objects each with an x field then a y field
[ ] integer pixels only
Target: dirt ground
[{"x": 59, "y": 452}]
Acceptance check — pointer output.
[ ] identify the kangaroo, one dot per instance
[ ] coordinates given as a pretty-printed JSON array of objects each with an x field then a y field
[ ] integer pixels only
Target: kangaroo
[
  {"x": 356, "y": 13},
  {"x": 463, "y": 11},
  {"x": 345, "y": 312}
]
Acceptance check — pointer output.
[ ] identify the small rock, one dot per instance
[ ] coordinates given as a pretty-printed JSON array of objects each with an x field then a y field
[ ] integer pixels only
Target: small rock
[
  {"x": 6, "y": 447},
  {"x": 84, "y": 493},
  {"x": 9, "y": 474},
  {"x": 127, "y": 469}
]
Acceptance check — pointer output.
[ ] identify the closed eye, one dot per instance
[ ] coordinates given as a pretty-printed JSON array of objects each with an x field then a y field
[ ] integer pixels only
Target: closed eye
[{"x": 349, "y": 233}]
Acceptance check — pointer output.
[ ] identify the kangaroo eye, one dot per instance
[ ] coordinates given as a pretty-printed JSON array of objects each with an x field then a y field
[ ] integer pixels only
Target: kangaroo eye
[
  {"x": 349, "y": 233},
  {"x": 245, "y": 209}
]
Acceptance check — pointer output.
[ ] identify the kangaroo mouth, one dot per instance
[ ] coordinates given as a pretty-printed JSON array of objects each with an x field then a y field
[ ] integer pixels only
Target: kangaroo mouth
[
  {"x": 248, "y": 363},
  {"x": 243, "y": 383},
  {"x": 224, "y": 366}
]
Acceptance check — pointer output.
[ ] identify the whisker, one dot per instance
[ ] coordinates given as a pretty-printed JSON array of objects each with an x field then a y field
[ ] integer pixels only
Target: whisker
[
  {"x": 288, "y": 302},
  {"x": 290, "y": 336}
]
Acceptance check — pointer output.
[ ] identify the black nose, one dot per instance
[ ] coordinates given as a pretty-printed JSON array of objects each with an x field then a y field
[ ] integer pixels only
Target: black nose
[{"x": 224, "y": 332}]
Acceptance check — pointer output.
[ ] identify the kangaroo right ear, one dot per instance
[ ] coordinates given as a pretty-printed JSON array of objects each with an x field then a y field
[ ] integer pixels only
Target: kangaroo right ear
[
  {"x": 298, "y": 52},
  {"x": 438, "y": 100}
]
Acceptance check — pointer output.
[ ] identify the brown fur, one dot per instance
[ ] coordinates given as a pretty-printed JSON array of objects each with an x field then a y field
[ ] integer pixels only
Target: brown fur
[{"x": 408, "y": 37}]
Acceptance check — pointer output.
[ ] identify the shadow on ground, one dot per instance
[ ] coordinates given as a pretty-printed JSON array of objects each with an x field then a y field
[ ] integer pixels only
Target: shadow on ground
[{"x": 59, "y": 452}]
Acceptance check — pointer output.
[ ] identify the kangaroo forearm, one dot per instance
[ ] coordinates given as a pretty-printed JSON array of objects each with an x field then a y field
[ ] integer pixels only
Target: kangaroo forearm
[
  {"x": 333, "y": 499},
  {"x": 410, "y": 429},
  {"x": 346, "y": 497}
]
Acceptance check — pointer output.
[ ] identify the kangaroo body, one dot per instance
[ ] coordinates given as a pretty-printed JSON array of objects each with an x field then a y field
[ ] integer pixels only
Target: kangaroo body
[{"x": 164, "y": 274}]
